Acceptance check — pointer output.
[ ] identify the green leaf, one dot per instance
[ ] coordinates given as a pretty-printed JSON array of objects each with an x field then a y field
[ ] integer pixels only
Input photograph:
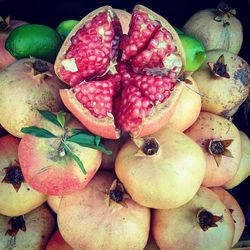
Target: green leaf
[
  {"x": 97, "y": 140},
  {"x": 38, "y": 132},
  {"x": 86, "y": 139},
  {"x": 82, "y": 138},
  {"x": 61, "y": 118},
  {"x": 100, "y": 147},
  {"x": 79, "y": 131},
  {"x": 50, "y": 117},
  {"x": 74, "y": 157}
]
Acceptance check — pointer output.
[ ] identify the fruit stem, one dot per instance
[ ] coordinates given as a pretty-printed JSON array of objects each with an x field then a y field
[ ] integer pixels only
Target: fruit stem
[
  {"x": 116, "y": 193},
  {"x": 14, "y": 175},
  {"x": 4, "y": 23},
  {"x": 146, "y": 146},
  {"x": 224, "y": 12},
  {"x": 40, "y": 66},
  {"x": 17, "y": 223},
  {"x": 215, "y": 147},
  {"x": 150, "y": 146},
  {"x": 207, "y": 220},
  {"x": 219, "y": 148},
  {"x": 219, "y": 68}
]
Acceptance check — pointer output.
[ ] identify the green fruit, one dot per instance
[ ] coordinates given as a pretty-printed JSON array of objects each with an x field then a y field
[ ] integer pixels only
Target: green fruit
[
  {"x": 65, "y": 27},
  {"x": 35, "y": 40},
  {"x": 195, "y": 52}
]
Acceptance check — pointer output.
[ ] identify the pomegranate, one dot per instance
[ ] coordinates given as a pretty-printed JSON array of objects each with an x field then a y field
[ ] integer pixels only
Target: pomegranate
[
  {"x": 54, "y": 202},
  {"x": 17, "y": 197},
  {"x": 201, "y": 224},
  {"x": 224, "y": 81},
  {"x": 216, "y": 28},
  {"x": 30, "y": 231},
  {"x": 124, "y": 18},
  {"x": 231, "y": 203},
  {"x": 162, "y": 171},
  {"x": 26, "y": 86},
  {"x": 57, "y": 242},
  {"x": 6, "y": 26},
  {"x": 127, "y": 82},
  {"x": 58, "y": 159},
  {"x": 105, "y": 208},
  {"x": 219, "y": 139},
  {"x": 188, "y": 107},
  {"x": 244, "y": 169}
]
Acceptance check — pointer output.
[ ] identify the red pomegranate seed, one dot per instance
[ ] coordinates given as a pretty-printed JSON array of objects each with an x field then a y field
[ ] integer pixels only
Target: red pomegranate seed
[
  {"x": 155, "y": 88},
  {"x": 125, "y": 72},
  {"x": 141, "y": 30},
  {"x": 93, "y": 46},
  {"x": 131, "y": 108},
  {"x": 96, "y": 96},
  {"x": 159, "y": 47}
]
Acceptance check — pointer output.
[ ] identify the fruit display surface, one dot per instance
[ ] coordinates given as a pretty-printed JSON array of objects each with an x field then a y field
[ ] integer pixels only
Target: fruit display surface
[{"x": 125, "y": 125}]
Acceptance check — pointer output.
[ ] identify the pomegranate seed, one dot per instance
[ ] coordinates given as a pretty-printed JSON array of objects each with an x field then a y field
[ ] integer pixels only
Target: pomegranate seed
[
  {"x": 130, "y": 109},
  {"x": 153, "y": 55},
  {"x": 142, "y": 29},
  {"x": 96, "y": 96},
  {"x": 155, "y": 88},
  {"x": 92, "y": 48}
]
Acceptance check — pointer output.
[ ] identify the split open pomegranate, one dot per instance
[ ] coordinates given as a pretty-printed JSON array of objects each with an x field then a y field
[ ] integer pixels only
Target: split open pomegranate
[{"x": 121, "y": 82}]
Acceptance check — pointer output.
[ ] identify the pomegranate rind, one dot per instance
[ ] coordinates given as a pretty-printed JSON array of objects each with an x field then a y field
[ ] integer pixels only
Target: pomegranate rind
[
  {"x": 231, "y": 203},
  {"x": 67, "y": 42},
  {"x": 124, "y": 18},
  {"x": 161, "y": 114},
  {"x": 167, "y": 25},
  {"x": 104, "y": 127}
]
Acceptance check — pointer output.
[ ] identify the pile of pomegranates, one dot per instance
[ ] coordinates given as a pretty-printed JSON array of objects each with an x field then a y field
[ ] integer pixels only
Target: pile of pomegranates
[{"x": 115, "y": 146}]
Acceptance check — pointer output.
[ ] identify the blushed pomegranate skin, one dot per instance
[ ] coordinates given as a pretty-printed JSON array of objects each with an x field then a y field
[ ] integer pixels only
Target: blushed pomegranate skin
[
  {"x": 157, "y": 180},
  {"x": 188, "y": 107},
  {"x": 40, "y": 224},
  {"x": 116, "y": 226},
  {"x": 238, "y": 216},
  {"x": 15, "y": 202},
  {"x": 165, "y": 223},
  {"x": 42, "y": 164},
  {"x": 57, "y": 242},
  {"x": 5, "y": 57},
  {"x": 244, "y": 169},
  {"x": 22, "y": 93},
  {"x": 100, "y": 99},
  {"x": 210, "y": 126}
]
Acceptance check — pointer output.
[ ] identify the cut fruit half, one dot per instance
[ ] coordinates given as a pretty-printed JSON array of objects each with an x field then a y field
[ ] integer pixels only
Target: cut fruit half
[{"x": 121, "y": 83}]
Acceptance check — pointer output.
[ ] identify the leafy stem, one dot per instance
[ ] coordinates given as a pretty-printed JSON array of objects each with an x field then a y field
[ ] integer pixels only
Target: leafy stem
[{"x": 81, "y": 137}]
